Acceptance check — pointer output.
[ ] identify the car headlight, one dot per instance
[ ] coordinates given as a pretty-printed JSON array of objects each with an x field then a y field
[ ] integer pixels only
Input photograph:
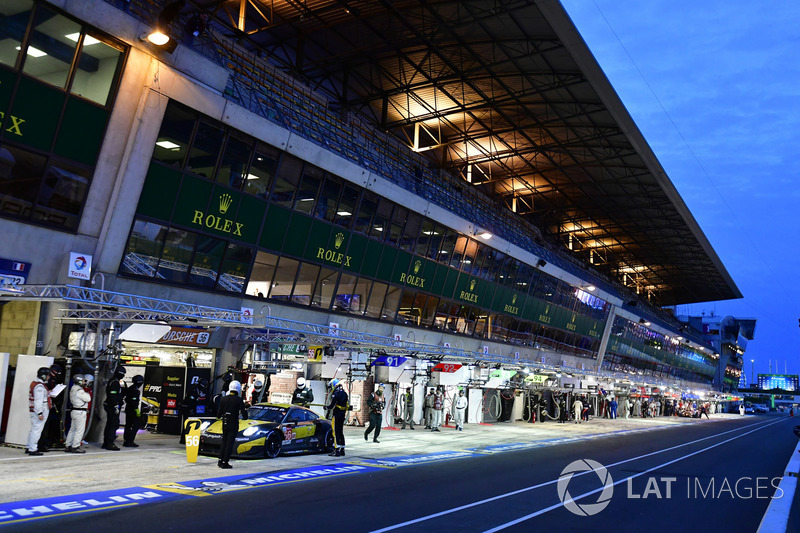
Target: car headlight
[{"x": 252, "y": 430}]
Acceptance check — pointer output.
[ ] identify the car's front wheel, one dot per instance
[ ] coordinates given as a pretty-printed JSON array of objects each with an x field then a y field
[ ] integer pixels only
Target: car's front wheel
[{"x": 272, "y": 447}]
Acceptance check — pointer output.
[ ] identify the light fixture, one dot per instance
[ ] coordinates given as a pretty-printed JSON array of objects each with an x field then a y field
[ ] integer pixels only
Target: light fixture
[
  {"x": 168, "y": 145},
  {"x": 34, "y": 52},
  {"x": 589, "y": 287},
  {"x": 541, "y": 263},
  {"x": 483, "y": 234},
  {"x": 644, "y": 322},
  {"x": 88, "y": 40}
]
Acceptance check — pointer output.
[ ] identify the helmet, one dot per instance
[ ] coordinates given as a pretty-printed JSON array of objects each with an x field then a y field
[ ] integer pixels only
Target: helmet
[
  {"x": 138, "y": 379},
  {"x": 88, "y": 379},
  {"x": 301, "y": 382},
  {"x": 258, "y": 385},
  {"x": 79, "y": 380},
  {"x": 461, "y": 392},
  {"x": 43, "y": 373},
  {"x": 119, "y": 373},
  {"x": 235, "y": 386},
  {"x": 334, "y": 383},
  {"x": 55, "y": 370},
  {"x": 227, "y": 377},
  {"x": 202, "y": 385}
]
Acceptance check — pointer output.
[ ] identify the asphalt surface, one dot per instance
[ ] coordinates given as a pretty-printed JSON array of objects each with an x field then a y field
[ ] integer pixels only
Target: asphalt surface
[{"x": 412, "y": 475}]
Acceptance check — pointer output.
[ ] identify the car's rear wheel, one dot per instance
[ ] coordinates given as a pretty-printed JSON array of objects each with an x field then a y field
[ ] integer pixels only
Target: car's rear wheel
[
  {"x": 327, "y": 441},
  {"x": 272, "y": 447}
]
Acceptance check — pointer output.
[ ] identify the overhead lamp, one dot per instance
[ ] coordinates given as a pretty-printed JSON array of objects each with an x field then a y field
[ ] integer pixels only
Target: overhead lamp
[
  {"x": 483, "y": 234},
  {"x": 589, "y": 287},
  {"x": 160, "y": 35},
  {"x": 644, "y": 322}
]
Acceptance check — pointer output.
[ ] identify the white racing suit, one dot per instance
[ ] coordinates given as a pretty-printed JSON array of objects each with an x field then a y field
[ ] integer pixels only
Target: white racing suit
[
  {"x": 80, "y": 400},
  {"x": 38, "y": 404},
  {"x": 461, "y": 409}
]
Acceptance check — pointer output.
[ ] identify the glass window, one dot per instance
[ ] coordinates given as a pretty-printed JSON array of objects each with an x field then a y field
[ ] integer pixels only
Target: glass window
[
  {"x": 328, "y": 199},
  {"x": 459, "y": 252},
  {"x": 408, "y": 313},
  {"x": 494, "y": 265},
  {"x": 390, "y": 303},
  {"x": 399, "y": 217},
  {"x": 381, "y": 220},
  {"x": 205, "y": 149},
  {"x": 20, "y": 174},
  {"x": 235, "y": 159},
  {"x": 284, "y": 279},
  {"x": 262, "y": 170},
  {"x": 305, "y": 283},
  {"x": 50, "y": 54},
  {"x": 309, "y": 188},
  {"x": 207, "y": 258},
  {"x": 447, "y": 244},
  {"x": 286, "y": 180},
  {"x": 345, "y": 213},
  {"x": 346, "y": 299},
  {"x": 174, "y": 262},
  {"x": 235, "y": 267},
  {"x": 261, "y": 275},
  {"x": 11, "y": 34},
  {"x": 411, "y": 231},
  {"x": 143, "y": 249},
  {"x": 323, "y": 295},
  {"x": 376, "y": 297},
  {"x": 360, "y": 295},
  {"x": 61, "y": 195},
  {"x": 363, "y": 222},
  {"x": 97, "y": 69},
  {"x": 426, "y": 237},
  {"x": 173, "y": 139}
]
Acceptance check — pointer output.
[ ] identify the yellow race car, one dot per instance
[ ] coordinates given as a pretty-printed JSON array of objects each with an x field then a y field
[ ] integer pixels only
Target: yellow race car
[{"x": 271, "y": 429}]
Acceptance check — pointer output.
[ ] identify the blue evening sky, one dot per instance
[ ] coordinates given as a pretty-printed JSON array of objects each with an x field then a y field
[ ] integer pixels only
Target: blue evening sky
[{"x": 714, "y": 86}]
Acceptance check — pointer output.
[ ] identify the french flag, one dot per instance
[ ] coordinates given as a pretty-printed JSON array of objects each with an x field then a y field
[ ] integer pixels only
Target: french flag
[{"x": 18, "y": 266}]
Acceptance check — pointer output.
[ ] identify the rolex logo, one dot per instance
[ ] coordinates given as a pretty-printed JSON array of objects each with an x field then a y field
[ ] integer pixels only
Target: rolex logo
[
  {"x": 225, "y": 202},
  {"x": 338, "y": 240},
  {"x": 573, "y": 317},
  {"x": 514, "y": 300},
  {"x": 417, "y": 266},
  {"x": 547, "y": 309}
]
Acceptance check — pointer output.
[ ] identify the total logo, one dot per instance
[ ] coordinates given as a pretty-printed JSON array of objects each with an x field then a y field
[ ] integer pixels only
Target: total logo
[
  {"x": 578, "y": 467},
  {"x": 80, "y": 266},
  {"x": 80, "y": 263}
]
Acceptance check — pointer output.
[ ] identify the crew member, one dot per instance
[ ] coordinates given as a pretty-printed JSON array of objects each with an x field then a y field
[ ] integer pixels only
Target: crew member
[
  {"x": 226, "y": 381},
  {"x": 408, "y": 398},
  {"x": 577, "y": 407},
  {"x": 51, "y": 434},
  {"x": 303, "y": 395},
  {"x": 461, "y": 409},
  {"x": 230, "y": 407},
  {"x": 428, "y": 409},
  {"x": 338, "y": 406},
  {"x": 195, "y": 403},
  {"x": 258, "y": 387},
  {"x": 613, "y": 408},
  {"x": 438, "y": 406},
  {"x": 39, "y": 404},
  {"x": 79, "y": 399},
  {"x": 376, "y": 404},
  {"x": 133, "y": 397},
  {"x": 112, "y": 405}
]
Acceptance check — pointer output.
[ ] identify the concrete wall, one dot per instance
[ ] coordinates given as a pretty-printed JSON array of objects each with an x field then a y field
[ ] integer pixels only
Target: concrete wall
[{"x": 18, "y": 325}]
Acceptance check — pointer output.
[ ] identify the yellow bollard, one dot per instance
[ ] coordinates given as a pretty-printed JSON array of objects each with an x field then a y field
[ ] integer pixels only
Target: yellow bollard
[{"x": 192, "y": 426}]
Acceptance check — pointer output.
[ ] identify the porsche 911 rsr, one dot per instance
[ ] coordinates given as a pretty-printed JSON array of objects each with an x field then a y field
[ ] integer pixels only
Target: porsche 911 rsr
[{"x": 271, "y": 429}]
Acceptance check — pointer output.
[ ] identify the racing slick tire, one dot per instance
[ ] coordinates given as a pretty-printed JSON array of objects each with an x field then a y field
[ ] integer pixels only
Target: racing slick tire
[{"x": 272, "y": 446}]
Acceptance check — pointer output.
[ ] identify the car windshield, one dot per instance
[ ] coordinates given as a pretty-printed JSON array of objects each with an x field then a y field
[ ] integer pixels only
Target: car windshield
[{"x": 267, "y": 413}]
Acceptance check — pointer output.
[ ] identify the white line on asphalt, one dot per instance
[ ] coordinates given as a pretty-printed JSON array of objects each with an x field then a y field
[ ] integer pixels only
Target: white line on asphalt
[
  {"x": 681, "y": 458},
  {"x": 544, "y": 484}
]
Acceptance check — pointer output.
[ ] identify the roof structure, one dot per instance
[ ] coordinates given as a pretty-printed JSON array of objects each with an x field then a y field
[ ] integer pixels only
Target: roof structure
[{"x": 506, "y": 95}]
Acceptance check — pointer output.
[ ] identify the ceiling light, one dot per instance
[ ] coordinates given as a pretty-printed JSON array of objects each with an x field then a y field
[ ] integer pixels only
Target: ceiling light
[
  {"x": 34, "y": 52},
  {"x": 344, "y": 213},
  {"x": 158, "y": 38},
  {"x": 87, "y": 41},
  {"x": 169, "y": 145}
]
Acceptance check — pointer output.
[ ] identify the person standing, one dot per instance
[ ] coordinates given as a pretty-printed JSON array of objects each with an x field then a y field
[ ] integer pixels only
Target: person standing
[
  {"x": 429, "y": 409},
  {"x": 376, "y": 404},
  {"x": 303, "y": 395},
  {"x": 112, "y": 405},
  {"x": 51, "y": 434},
  {"x": 230, "y": 407},
  {"x": 612, "y": 405},
  {"x": 577, "y": 407},
  {"x": 741, "y": 409},
  {"x": 408, "y": 398},
  {"x": 79, "y": 399},
  {"x": 339, "y": 406},
  {"x": 438, "y": 406},
  {"x": 39, "y": 404},
  {"x": 133, "y": 397},
  {"x": 461, "y": 410}
]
